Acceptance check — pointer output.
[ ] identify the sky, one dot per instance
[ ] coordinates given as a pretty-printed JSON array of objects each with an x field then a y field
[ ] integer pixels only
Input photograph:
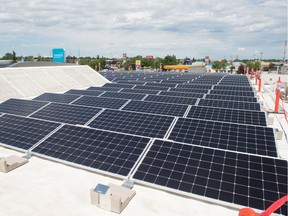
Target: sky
[{"x": 225, "y": 29}]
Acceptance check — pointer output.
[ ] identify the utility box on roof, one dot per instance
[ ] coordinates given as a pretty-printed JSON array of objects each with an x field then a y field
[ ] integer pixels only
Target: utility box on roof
[{"x": 112, "y": 197}]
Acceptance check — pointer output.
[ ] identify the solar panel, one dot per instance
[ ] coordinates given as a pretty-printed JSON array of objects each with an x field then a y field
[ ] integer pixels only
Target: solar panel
[
  {"x": 181, "y": 94},
  {"x": 58, "y": 98},
  {"x": 228, "y": 115},
  {"x": 229, "y": 97},
  {"x": 195, "y": 86},
  {"x": 157, "y": 108},
  {"x": 20, "y": 107},
  {"x": 23, "y": 132},
  {"x": 85, "y": 92},
  {"x": 169, "y": 85},
  {"x": 190, "y": 90},
  {"x": 133, "y": 123},
  {"x": 171, "y": 99},
  {"x": 233, "y": 88},
  {"x": 123, "y": 95},
  {"x": 223, "y": 135},
  {"x": 229, "y": 104},
  {"x": 106, "y": 151},
  {"x": 104, "y": 89},
  {"x": 159, "y": 88},
  {"x": 236, "y": 93},
  {"x": 118, "y": 85},
  {"x": 140, "y": 91},
  {"x": 64, "y": 113},
  {"x": 100, "y": 102},
  {"x": 232, "y": 178}
]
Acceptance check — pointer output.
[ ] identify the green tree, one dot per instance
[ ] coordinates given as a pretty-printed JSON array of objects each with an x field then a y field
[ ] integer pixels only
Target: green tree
[
  {"x": 8, "y": 56},
  {"x": 219, "y": 65},
  {"x": 170, "y": 60}
]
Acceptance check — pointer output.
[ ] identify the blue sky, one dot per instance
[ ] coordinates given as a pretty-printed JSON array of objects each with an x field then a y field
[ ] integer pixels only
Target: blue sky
[{"x": 219, "y": 29}]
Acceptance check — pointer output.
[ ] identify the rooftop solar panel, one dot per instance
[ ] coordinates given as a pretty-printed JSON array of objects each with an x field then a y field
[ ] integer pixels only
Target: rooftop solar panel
[
  {"x": 229, "y": 97},
  {"x": 171, "y": 99},
  {"x": 64, "y": 113},
  {"x": 85, "y": 92},
  {"x": 234, "y": 88},
  {"x": 21, "y": 107},
  {"x": 228, "y": 115},
  {"x": 230, "y": 104},
  {"x": 133, "y": 123},
  {"x": 241, "y": 179},
  {"x": 181, "y": 94},
  {"x": 224, "y": 135},
  {"x": 140, "y": 91},
  {"x": 194, "y": 87},
  {"x": 58, "y": 98},
  {"x": 169, "y": 85},
  {"x": 159, "y": 88},
  {"x": 118, "y": 85},
  {"x": 157, "y": 108},
  {"x": 104, "y": 89},
  {"x": 236, "y": 93},
  {"x": 101, "y": 102},
  {"x": 106, "y": 151},
  {"x": 189, "y": 90},
  {"x": 23, "y": 132},
  {"x": 132, "y": 96}
]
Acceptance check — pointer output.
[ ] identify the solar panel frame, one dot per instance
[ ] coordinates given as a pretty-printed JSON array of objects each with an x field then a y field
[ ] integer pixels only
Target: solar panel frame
[
  {"x": 236, "y": 93},
  {"x": 97, "y": 150},
  {"x": 228, "y": 115},
  {"x": 101, "y": 102},
  {"x": 181, "y": 94},
  {"x": 227, "y": 136},
  {"x": 70, "y": 114},
  {"x": 193, "y": 90},
  {"x": 140, "y": 91},
  {"x": 232, "y": 98},
  {"x": 93, "y": 88},
  {"x": 118, "y": 85},
  {"x": 21, "y": 133},
  {"x": 152, "y": 88},
  {"x": 21, "y": 107},
  {"x": 233, "y": 88},
  {"x": 224, "y": 177},
  {"x": 157, "y": 108},
  {"x": 135, "y": 123},
  {"x": 123, "y": 95},
  {"x": 171, "y": 99},
  {"x": 94, "y": 93},
  {"x": 57, "y": 98},
  {"x": 230, "y": 104}
]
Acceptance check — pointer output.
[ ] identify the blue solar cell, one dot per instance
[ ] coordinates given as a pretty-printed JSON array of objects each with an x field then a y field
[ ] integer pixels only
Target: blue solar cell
[
  {"x": 133, "y": 123},
  {"x": 71, "y": 114},
  {"x": 22, "y": 132},
  {"x": 220, "y": 175},
  {"x": 100, "y": 102},
  {"x": 223, "y": 135},
  {"x": 106, "y": 151},
  {"x": 21, "y": 107},
  {"x": 58, "y": 98}
]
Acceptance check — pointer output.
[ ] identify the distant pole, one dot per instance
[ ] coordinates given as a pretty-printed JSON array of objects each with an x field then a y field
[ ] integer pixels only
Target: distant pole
[
  {"x": 99, "y": 66},
  {"x": 256, "y": 77},
  {"x": 278, "y": 93}
]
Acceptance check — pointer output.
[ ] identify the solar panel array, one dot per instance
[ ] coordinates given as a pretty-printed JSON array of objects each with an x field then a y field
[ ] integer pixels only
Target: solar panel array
[{"x": 201, "y": 135}]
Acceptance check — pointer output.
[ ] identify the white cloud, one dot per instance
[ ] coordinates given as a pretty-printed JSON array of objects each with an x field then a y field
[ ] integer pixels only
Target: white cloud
[{"x": 209, "y": 27}]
